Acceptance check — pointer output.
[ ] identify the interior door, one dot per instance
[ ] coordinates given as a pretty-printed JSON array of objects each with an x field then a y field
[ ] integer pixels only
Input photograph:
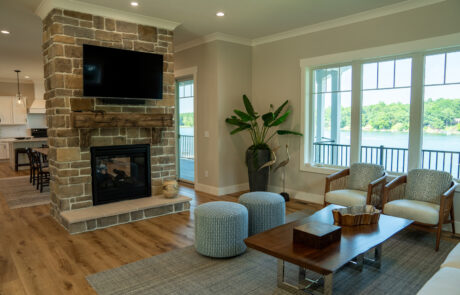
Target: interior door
[{"x": 186, "y": 130}]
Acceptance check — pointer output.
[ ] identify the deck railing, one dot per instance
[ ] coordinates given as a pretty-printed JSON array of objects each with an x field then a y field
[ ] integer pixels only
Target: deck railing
[
  {"x": 393, "y": 159},
  {"x": 186, "y": 147}
]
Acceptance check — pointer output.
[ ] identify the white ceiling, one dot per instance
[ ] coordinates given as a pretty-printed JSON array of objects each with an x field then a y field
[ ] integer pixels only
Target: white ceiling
[{"x": 248, "y": 19}]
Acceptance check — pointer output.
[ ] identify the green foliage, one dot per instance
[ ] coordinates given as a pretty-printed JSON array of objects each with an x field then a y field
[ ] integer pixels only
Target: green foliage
[
  {"x": 259, "y": 133},
  {"x": 186, "y": 119},
  {"x": 441, "y": 114}
]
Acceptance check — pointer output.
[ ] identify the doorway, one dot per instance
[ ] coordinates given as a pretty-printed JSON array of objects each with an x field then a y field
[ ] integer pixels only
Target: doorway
[{"x": 185, "y": 130}]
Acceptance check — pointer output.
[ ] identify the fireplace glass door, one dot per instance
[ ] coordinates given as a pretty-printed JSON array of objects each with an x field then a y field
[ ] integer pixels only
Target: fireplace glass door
[{"x": 120, "y": 173}]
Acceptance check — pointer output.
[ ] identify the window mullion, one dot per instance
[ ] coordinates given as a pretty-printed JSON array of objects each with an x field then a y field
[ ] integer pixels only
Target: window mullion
[
  {"x": 356, "y": 99},
  {"x": 416, "y": 112}
]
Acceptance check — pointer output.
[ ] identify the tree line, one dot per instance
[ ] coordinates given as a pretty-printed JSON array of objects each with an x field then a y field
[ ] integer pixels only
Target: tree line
[{"x": 439, "y": 115}]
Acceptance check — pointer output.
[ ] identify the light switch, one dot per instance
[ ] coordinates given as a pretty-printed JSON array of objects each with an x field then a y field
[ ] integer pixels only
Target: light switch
[{"x": 206, "y": 134}]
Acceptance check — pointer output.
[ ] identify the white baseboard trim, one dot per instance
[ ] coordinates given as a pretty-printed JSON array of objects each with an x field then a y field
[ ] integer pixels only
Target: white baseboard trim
[
  {"x": 220, "y": 191},
  {"x": 299, "y": 195}
]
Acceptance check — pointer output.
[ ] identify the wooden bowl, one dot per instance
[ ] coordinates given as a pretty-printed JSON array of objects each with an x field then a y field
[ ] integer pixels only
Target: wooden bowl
[{"x": 356, "y": 215}]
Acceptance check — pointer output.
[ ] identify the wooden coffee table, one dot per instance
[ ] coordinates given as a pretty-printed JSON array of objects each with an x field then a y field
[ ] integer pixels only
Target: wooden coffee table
[{"x": 355, "y": 242}]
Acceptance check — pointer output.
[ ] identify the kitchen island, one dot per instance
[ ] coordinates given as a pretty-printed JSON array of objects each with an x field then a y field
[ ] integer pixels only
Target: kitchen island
[{"x": 23, "y": 143}]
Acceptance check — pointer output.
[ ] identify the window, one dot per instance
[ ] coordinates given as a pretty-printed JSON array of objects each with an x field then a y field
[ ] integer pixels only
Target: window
[
  {"x": 332, "y": 99},
  {"x": 441, "y": 116},
  {"x": 385, "y": 113},
  {"x": 402, "y": 112}
]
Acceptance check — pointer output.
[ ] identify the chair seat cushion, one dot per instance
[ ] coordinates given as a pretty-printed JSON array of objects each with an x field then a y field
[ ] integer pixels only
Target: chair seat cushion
[
  {"x": 419, "y": 211},
  {"x": 347, "y": 197},
  {"x": 453, "y": 259},
  {"x": 443, "y": 282}
]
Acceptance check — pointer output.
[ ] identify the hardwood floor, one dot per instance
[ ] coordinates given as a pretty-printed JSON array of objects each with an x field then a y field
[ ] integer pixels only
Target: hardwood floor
[
  {"x": 6, "y": 171},
  {"x": 38, "y": 256}
]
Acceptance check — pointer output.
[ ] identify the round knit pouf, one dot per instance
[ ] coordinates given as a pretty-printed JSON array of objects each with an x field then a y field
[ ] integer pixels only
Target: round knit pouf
[
  {"x": 266, "y": 210},
  {"x": 220, "y": 228}
]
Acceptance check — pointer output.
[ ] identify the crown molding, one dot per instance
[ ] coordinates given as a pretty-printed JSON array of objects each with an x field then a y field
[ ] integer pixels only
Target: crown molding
[
  {"x": 346, "y": 20},
  {"x": 47, "y": 5},
  {"x": 342, "y": 21},
  {"x": 213, "y": 37}
]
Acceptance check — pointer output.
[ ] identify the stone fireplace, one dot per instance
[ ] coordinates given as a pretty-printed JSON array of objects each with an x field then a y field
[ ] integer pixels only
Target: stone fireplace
[{"x": 77, "y": 125}]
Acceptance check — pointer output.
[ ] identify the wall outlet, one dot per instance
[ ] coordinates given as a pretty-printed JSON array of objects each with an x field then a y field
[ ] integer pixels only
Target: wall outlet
[{"x": 206, "y": 174}]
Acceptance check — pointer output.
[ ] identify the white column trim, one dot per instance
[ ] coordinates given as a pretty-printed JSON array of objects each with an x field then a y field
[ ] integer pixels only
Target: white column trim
[
  {"x": 416, "y": 112},
  {"x": 356, "y": 101}
]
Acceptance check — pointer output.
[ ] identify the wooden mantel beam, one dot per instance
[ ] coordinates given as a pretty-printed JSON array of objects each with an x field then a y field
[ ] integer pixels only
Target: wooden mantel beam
[{"x": 110, "y": 120}]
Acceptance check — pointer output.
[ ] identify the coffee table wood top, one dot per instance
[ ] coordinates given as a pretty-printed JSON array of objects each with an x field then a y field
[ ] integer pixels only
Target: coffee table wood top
[{"x": 356, "y": 240}]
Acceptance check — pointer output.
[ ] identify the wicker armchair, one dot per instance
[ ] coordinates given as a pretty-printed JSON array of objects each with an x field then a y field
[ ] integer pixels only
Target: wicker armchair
[
  {"x": 360, "y": 184},
  {"x": 425, "y": 196}
]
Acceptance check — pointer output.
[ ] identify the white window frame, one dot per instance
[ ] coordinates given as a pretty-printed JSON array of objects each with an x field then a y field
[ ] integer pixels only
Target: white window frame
[{"x": 413, "y": 49}]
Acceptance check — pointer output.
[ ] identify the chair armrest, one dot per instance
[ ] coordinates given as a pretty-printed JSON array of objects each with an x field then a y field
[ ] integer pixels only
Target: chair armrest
[
  {"x": 447, "y": 202},
  {"x": 335, "y": 176},
  {"x": 450, "y": 192},
  {"x": 392, "y": 185},
  {"x": 374, "y": 184}
]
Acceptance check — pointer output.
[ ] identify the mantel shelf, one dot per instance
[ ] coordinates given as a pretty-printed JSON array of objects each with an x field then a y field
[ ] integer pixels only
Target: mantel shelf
[{"x": 108, "y": 120}]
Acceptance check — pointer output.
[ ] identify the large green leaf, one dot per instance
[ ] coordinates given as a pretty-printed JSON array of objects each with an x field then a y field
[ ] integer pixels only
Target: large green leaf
[
  {"x": 268, "y": 118},
  {"x": 280, "y": 119},
  {"x": 248, "y": 106},
  {"x": 240, "y": 129},
  {"x": 278, "y": 111},
  {"x": 235, "y": 121},
  {"x": 284, "y": 132},
  {"x": 244, "y": 117}
]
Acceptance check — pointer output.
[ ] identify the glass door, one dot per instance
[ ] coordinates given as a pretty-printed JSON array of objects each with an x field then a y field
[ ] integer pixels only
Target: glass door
[{"x": 185, "y": 119}]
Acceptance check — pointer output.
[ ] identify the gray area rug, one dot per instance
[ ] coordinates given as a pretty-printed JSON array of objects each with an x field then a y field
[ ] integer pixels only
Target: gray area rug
[
  {"x": 19, "y": 193},
  {"x": 409, "y": 260}
]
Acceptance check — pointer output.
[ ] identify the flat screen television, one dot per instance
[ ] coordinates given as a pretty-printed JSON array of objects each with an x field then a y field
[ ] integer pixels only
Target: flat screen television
[{"x": 118, "y": 73}]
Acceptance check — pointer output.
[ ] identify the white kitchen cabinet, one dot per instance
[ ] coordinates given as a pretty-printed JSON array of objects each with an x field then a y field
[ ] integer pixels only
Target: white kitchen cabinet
[
  {"x": 6, "y": 113},
  {"x": 4, "y": 153},
  {"x": 12, "y": 113}
]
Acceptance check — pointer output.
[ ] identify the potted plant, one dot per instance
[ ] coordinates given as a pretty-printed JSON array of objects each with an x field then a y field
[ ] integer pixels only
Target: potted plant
[{"x": 260, "y": 128}]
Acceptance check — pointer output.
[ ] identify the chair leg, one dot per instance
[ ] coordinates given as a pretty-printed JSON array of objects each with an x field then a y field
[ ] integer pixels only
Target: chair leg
[
  {"x": 41, "y": 182},
  {"x": 452, "y": 219},
  {"x": 38, "y": 180},
  {"x": 438, "y": 236}
]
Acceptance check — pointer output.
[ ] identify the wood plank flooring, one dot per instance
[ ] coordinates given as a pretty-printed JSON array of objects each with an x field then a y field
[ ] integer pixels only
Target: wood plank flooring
[{"x": 38, "y": 256}]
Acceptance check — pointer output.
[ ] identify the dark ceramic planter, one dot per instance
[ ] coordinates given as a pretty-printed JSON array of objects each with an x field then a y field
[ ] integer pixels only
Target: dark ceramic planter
[{"x": 258, "y": 179}]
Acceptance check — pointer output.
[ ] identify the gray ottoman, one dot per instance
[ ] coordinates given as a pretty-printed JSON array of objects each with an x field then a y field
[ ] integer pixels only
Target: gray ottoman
[
  {"x": 220, "y": 228},
  {"x": 266, "y": 210}
]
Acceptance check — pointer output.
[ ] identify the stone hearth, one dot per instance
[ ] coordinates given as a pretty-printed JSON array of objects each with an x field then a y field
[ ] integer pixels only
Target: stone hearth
[{"x": 64, "y": 33}]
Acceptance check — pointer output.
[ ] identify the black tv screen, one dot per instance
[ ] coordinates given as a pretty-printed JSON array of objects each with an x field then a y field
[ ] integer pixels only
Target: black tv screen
[{"x": 111, "y": 72}]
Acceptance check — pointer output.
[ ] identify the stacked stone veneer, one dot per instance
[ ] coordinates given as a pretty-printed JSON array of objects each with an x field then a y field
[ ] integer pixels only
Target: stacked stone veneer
[{"x": 64, "y": 33}]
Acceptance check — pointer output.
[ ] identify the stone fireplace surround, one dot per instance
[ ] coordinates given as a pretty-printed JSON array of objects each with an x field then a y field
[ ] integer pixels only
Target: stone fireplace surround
[{"x": 64, "y": 33}]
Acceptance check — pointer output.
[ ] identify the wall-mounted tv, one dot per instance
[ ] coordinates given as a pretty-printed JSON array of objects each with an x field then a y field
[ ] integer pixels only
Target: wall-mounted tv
[{"x": 118, "y": 73}]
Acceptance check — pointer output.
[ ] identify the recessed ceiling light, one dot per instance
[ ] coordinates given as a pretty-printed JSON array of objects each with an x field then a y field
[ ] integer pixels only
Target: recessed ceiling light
[
  {"x": 27, "y": 77},
  {"x": 220, "y": 13},
  {"x": 5, "y": 32},
  {"x": 134, "y": 3}
]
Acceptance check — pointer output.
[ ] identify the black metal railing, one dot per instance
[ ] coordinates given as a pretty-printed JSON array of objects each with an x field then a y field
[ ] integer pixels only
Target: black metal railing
[
  {"x": 393, "y": 159},
  {"x": 187, "y": 150}
]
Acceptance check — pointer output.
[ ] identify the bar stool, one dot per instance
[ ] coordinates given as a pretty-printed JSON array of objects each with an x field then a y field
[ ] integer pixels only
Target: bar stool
[
  {"x": 18, "y": 152},
  {"x": 33, "y": 170}
]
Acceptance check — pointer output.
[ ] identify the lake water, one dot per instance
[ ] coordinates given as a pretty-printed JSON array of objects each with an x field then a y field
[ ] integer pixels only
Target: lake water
[{"x": 401, "y": 140}]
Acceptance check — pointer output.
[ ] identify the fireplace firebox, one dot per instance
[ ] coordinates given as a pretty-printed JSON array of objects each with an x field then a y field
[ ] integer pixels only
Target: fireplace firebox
[{"x": 120, "y": 173}]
